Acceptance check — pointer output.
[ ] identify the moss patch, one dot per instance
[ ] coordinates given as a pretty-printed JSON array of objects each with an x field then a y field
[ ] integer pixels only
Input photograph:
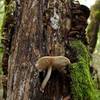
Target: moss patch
[{"x": 82, "y": 86}]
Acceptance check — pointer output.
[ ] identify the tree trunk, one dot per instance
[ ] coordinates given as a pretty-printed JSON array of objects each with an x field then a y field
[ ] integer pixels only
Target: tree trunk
[
  {"x": 93, "y": 27},
  {"x": 32, "y": 39},
  {"x": 93, "y": 35},
  {"x": 41, "y": 29}
]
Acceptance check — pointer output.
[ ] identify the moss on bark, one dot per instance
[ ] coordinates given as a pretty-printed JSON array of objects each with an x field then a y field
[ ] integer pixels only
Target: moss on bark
[{"x": 82, "y": 87}]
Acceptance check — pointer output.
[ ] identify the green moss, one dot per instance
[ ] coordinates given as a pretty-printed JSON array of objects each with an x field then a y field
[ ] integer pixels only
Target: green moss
[{"x": 82, "y": 86}]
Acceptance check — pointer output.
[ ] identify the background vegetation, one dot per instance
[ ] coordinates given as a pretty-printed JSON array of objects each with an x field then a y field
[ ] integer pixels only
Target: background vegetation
[{"x": 2, "y": 13}]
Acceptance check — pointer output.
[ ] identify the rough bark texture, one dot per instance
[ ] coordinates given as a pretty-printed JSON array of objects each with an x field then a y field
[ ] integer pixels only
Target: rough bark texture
[
  {"x": 32, "y": 40},
  {"x": 41, "y": 29}
]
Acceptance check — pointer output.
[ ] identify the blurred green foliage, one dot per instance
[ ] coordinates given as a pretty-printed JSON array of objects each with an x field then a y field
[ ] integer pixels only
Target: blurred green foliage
[
  {"x": 95, "y": 20},
  {"x": 2, "y": 10},
  {"x": 2, "y": 13},
  {"x": 95, "y": 15},
  {"x": 95, "y": 10},
  {"x": 5, "y": 12}
]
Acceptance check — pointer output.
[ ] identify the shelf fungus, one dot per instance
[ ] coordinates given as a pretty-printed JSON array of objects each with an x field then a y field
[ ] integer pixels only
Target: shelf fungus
[{"x": 50, "y": 63}]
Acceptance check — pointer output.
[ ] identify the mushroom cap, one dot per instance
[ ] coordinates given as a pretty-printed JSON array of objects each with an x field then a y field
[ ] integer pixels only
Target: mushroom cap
[{"x": 57, "y": 62}]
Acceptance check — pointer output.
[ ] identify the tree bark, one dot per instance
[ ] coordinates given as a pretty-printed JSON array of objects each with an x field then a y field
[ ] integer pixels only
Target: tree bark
[
  {"x": 24, "y": 51},
  {"x": 41, "y": 29},
  {"x": 32, "y": 39}
]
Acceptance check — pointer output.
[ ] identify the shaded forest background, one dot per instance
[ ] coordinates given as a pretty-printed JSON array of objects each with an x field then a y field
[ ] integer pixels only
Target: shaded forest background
[{"x": 93, "y": 32}]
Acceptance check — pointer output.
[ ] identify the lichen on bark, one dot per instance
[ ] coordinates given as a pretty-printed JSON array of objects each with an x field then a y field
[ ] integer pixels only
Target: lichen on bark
[{"x": 82, "y": 86}]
